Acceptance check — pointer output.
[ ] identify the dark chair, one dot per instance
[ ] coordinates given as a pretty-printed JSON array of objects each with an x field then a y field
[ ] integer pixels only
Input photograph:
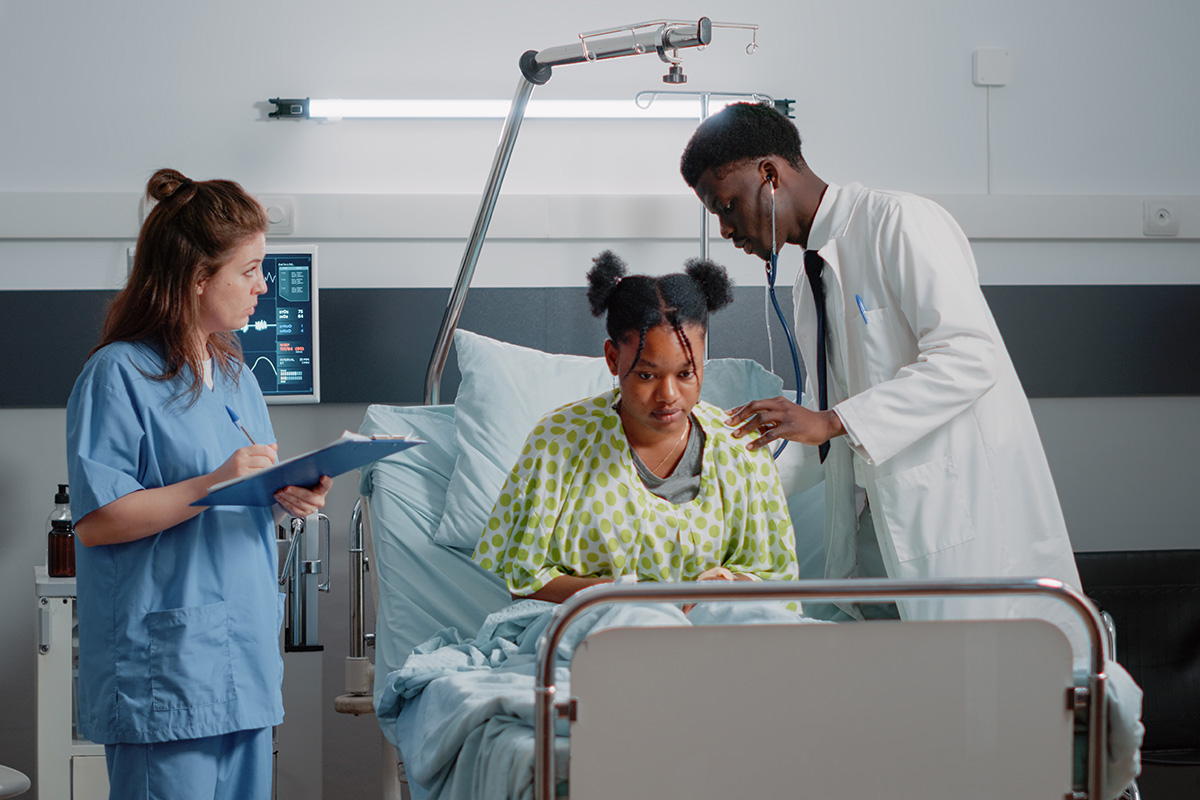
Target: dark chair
[{"x": 1153, "y": 597}]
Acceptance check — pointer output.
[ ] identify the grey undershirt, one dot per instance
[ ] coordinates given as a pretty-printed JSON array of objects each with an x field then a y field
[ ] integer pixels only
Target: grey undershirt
[{"x": 683, "y": 484}]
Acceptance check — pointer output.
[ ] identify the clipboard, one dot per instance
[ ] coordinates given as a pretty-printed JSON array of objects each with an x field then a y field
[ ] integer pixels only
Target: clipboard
[{"x": 349, "y": 451}]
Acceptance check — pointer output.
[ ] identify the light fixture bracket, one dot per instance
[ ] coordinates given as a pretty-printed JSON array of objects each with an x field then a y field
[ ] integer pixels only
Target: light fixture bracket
[{"x": 289, "y": 108}]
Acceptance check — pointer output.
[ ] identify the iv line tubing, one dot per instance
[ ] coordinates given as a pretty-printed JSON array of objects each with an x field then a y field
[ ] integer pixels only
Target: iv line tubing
[{"x": 772, "y": 269}]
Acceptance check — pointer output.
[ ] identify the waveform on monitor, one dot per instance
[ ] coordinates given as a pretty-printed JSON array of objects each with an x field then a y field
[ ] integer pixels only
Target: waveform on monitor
[
  {"x": 258, "y": 325},
  {"x": 270, "y": 364}
]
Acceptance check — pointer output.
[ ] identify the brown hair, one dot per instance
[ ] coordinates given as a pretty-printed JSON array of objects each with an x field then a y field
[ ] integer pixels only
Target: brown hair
[{"x": 185, "y": 239}]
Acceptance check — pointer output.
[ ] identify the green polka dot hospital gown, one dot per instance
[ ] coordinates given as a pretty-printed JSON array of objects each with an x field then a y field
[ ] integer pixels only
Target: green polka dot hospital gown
[{"x": 573, "y": 504}]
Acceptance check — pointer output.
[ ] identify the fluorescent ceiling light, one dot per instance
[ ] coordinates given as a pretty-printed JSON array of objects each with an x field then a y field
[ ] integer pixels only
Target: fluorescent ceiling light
[{"x": 488, "y": 109}]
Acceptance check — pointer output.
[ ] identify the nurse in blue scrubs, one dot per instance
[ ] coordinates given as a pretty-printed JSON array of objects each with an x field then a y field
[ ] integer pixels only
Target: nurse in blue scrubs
[{"x": 179, "y": 666}]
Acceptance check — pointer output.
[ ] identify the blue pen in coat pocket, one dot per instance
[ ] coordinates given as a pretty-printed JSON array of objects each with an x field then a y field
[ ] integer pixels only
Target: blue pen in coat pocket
[{"x": 862, "y": 309}]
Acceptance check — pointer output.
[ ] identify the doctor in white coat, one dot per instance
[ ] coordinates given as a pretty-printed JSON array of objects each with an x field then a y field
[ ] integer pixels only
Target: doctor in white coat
[{"x": 934, "y": 466}]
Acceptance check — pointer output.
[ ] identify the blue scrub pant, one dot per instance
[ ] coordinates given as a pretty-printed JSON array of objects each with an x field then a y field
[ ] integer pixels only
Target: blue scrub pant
[{"x": 233, "y": 766}]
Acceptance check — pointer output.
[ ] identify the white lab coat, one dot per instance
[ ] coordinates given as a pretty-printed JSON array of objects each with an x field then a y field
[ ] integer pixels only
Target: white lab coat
[{"x": 941, "y": 434}]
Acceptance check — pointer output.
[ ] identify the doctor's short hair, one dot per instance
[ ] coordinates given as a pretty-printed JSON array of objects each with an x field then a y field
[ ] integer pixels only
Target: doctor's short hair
[
  {"x": 633, "y": 304},
  {"x": 191, "y": 231},
  {"x": 738, "y": 132}
]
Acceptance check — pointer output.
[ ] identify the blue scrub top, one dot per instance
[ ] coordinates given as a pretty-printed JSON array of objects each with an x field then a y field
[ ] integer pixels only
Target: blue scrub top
[{"x": 179, "y": 631}]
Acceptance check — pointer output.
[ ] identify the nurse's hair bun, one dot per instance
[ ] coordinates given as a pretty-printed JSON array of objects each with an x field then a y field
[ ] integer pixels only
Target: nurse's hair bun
[
  {"x": 165, "y": 183},
  {"x": 713, "y": 280},
  {"x": 604, "y": 276}
]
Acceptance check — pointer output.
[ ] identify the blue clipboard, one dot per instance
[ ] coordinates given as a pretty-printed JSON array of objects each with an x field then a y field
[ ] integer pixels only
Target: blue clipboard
[{"x": 348, "y": 452}]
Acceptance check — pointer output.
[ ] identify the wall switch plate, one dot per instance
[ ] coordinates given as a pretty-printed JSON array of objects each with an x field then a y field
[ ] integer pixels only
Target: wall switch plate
[
  {"x": 1160, "y": 217},
  {"x": 281, "y": 213},
  {"x": 145, "y": 206},
  {"x": 991, "y": 66}
]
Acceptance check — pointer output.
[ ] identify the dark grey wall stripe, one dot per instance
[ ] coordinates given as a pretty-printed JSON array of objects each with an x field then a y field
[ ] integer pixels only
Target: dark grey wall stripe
[
  {"x": 1101, "y": 341},
  {"x": 45, "y": 339},
  {"x": 1066, "y": 341}
]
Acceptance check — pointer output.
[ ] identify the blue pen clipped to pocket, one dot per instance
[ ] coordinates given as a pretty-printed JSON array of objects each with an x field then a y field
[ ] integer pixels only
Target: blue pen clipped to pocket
[{"x": 862, "y": 309}]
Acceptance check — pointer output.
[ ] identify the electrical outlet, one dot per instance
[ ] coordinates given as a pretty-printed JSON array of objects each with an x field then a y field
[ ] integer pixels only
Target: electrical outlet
[
  {"x": 1160, "y": 217},
  {"x": 281, "y": 213}
]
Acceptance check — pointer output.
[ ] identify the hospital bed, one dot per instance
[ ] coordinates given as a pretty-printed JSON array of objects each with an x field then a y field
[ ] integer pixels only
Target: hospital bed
[
  {"x": 675, "y": 710},
  {"x": 911, "y": 709}
]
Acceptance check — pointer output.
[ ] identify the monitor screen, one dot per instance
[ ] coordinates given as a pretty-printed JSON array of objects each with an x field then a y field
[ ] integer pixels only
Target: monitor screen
[{"x": 280, "y": 343}]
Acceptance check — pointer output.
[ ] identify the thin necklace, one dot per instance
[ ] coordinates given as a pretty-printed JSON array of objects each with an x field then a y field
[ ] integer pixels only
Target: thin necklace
[{"x": 686, "y": 431}]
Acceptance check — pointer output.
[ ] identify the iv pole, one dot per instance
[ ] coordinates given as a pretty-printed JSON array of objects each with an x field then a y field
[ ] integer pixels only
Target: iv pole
[{"x": 664, "y": 37}]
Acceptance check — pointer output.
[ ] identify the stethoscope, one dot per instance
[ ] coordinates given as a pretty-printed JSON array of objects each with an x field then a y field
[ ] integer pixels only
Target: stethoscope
[{"x": 772, "y": 270}]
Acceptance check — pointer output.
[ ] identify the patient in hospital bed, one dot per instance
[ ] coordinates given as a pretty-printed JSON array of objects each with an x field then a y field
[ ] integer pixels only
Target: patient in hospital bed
[{"x": 642, "y": 482}]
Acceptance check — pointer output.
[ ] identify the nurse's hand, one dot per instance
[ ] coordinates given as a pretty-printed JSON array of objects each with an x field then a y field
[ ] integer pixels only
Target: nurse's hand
[
  {"x": 780, "y": 418},
  {"x": 244, "y": 461},
  {"x": 300, "y": 501},
  {"x": 147, "y": 512}
]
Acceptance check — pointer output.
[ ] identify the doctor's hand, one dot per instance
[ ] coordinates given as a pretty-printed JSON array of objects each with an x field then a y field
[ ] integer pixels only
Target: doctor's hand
[
  {"x": 780, "y": 418},
  {"x": 300, "y": 501}
]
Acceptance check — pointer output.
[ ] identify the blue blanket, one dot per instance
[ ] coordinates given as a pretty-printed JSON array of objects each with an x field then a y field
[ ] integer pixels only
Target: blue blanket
[{"x": 462, "y": 711}]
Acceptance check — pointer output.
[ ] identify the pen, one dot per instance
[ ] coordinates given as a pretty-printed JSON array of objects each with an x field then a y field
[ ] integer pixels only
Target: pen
[
  {"x": 862, "y": 309},
  {"x": 237, "y": 421}
]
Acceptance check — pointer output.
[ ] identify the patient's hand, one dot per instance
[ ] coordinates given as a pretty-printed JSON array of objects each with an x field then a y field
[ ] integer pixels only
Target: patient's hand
[{"x": 717, "y": 574}]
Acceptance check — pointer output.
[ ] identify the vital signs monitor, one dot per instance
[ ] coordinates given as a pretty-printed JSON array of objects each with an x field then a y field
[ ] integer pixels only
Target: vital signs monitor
[{"x": 280, "y": 343}]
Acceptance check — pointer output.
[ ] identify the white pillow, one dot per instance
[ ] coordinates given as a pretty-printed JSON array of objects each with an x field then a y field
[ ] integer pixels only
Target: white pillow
[{"x": 506, "y": 389}]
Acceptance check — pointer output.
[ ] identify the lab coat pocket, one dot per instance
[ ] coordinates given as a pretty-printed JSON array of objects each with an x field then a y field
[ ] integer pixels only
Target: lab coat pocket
[
  {"x": 879, "y": 351},
  {"x": 190, "y": 661},
  {"x": 925, "y": 508}
]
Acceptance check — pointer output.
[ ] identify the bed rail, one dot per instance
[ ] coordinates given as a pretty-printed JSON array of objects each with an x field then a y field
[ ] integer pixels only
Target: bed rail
[{"x": 1090, "y": 698}]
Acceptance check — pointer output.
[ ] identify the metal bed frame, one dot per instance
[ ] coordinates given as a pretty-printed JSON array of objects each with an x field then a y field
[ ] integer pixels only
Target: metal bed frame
[{"x": 1087, "y": 701}]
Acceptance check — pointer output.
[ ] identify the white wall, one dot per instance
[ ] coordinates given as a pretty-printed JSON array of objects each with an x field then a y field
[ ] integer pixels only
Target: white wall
[{"x": 95, "y": 96}]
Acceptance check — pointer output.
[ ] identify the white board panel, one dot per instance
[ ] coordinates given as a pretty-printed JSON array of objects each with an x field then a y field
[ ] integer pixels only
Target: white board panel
[{"x": 922, "y": 710}]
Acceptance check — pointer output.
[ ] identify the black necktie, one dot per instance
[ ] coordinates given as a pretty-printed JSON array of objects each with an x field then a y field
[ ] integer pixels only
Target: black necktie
[{"x": 813, "y": 264}]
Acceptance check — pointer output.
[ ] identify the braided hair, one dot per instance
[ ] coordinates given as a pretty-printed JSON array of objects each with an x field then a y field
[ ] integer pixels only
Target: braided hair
[{"x": 636, "y": 303}]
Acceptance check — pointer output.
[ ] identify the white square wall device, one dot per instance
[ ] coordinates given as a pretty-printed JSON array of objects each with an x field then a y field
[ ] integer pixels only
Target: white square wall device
[{"x": 991, "y": 66}]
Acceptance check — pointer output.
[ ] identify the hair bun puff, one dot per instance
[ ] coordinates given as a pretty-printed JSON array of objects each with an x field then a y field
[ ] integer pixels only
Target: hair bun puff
[
  {"x": 714, "y": 282},
  {"x": 606, "y": 272},
  {"x": 164, "y": 183}
]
